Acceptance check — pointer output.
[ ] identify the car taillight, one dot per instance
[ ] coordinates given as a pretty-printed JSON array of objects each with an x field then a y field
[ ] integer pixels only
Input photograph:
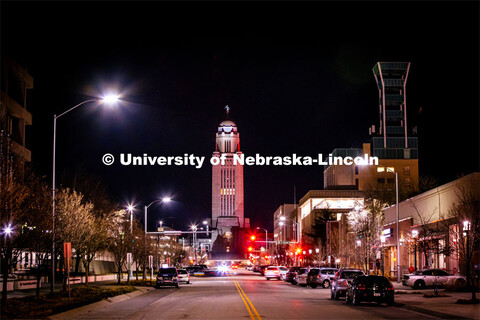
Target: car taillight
[
  {"x": 390, "y": 287},
  {"x": 361, "y": 287}
]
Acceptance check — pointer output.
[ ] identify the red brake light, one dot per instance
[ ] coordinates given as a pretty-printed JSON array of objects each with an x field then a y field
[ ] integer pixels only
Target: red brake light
[
  {"x": 390, "y": 287},
  {"x": 361, "y": 287}
]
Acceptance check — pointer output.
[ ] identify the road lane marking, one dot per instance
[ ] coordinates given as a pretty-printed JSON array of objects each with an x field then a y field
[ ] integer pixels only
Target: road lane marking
[
  {"x": 246, "y": 304},
  {"x": 240, "y": 290}
]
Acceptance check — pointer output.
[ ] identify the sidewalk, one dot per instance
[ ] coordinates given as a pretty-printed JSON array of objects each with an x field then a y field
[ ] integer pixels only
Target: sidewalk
[{"x": 441, "y": 307}]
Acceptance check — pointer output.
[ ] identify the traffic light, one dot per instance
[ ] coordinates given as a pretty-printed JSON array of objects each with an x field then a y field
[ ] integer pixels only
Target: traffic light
[{"x": 252, "y": 237}]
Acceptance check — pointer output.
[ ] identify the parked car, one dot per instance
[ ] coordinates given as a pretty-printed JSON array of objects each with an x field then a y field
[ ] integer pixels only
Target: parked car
[
  {"x": 370, "y": 289},
  {"x": 341, "y": 280},
  {"x": 430, "y": 277},
  {"x": 321, "y": 277},
  {"x": 276, "y": 272},
  {"x": 301, "y": 277},
  {"x": 167, "y": 277},
  {"x": 291, "y": 273},
  {"x": 183, "y": 276}
]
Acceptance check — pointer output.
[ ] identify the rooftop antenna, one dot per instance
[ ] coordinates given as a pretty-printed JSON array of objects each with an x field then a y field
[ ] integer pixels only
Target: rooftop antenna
[{"x": 228, "y": 109}]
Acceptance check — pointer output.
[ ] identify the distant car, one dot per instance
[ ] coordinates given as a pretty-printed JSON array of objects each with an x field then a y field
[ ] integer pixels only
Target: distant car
[
  {"x": 370, "y": 289},
  {"x": 341, "y": 280},
  {"x": 321, "y": 277},
  {"x": 301, "y": 277},
  {"x": 167, "y": 277},
  {"x": 183, "y": 276},
  {"x": 262, "y": 269},
  {"x": 291, "y": 273},
  {"x": 430, "y": 277},
  {"x": 234, "y": 266},
  {"x": 276, "y": 272},
  {"x": 196, "y": 270}
]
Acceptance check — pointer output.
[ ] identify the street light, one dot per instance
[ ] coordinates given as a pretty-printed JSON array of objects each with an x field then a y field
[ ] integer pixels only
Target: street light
[
  {"x": 266, "y": 236},
  {"x": 466, "y": 230},
  {"x": 193, "y": 227},
  {"x": 415, "y": 236},
  {"x": 130, "y": 209},
  {"x": 297, "y": 230},
  {"x": 163, "y": 200},
  {"x": 109, "y": 99},
  {"x": 205, "y": 223},
  {"x": 392, "y": 170}
]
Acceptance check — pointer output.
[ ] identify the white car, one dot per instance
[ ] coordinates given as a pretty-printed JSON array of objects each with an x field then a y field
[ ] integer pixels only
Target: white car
[
  {"x": 430, "y": 277},
  {"x": 277, "y": 272},
  {"x": 183, "y": 276}
]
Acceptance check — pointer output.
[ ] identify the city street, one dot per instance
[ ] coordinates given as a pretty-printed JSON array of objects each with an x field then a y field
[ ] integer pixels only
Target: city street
[{"x": 243, "y": 296}]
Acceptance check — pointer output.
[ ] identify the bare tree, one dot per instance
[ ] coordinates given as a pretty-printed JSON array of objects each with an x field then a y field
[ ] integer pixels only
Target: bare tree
[
  {"x": 13, "y": 196},
  {"x": 464, "y": 221},
  {"x": 120, "y": 240},
  {"x": 367, "y": 222},
  {"x": 429, "y": 233}
]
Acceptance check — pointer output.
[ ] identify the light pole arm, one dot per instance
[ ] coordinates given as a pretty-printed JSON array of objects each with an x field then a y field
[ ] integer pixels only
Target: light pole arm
[{"x": 78, "y": 105}]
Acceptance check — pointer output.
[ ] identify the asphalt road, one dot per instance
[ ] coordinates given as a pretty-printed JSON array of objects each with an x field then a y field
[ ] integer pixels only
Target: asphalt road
[{"x": 244, "y": 296}]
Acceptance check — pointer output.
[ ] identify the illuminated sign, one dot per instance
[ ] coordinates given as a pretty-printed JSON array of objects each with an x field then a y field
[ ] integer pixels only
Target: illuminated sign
[{"x": 387, "y": 232}]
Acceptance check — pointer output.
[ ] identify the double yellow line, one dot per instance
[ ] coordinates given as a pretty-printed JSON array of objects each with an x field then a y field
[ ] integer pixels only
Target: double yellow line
[{"x": 247, "y": 302}]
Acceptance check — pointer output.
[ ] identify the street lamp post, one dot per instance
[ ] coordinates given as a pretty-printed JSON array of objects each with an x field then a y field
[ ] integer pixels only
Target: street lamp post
[
  {"x": 297, "y": 230},
  {"x": 110, "y": 99},
  {"x": 194, "y": 229},
  {"x": 415, "y": 236},
  {"x": 466, "y": 229},
  {"x": 266, "y": 240},
  {"x": 392, "y": 170},
  {"x": 163, "y": 200},
  {"x": 130, "y": 209}
]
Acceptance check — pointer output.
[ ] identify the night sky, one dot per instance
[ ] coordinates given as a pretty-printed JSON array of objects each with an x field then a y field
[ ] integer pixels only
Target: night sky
[{"x": 298, "y": 79}]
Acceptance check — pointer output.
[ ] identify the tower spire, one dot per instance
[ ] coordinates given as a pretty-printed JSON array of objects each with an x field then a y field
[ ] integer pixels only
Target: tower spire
[{"x": 227, "y": 108}]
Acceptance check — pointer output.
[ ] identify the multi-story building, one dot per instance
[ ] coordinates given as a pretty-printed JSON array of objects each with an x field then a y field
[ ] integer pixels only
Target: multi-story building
[
  {"x": 393, "y": 143},
  {"x": 227, "y": 179},
  {"x": 228, "y": 221},
  {"x": 332, "y": 229},
  {"x": 428, "y": 232},
  {"x": 14, "y": 117}
]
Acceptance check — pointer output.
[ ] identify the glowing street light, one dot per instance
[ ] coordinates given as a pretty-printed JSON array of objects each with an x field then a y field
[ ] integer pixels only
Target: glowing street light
[
  {"x": 7, "y": 230},
  {"x": 110, "y": 99},
  {"x": 130, "y": 209}
]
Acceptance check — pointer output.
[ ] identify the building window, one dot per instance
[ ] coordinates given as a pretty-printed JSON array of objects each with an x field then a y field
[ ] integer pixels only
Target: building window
[
  {"x": 356, "y": 182},
  {"x": 356, "y": 169},
  {"x": 390, "y": 180},
  {"x": 381, "y": 180},
  {"x": 406, "y": 171}
]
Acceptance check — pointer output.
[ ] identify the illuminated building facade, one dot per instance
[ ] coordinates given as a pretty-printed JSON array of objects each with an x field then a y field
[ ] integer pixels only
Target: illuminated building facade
[
  {"x": 394, "y": 144},
  {"x": 227, "y": 179},
  {"x": 336, "y": 234}
]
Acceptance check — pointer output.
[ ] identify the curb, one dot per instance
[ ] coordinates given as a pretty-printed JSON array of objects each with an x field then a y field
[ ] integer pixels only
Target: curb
[{"x": 97, "y": 305}]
